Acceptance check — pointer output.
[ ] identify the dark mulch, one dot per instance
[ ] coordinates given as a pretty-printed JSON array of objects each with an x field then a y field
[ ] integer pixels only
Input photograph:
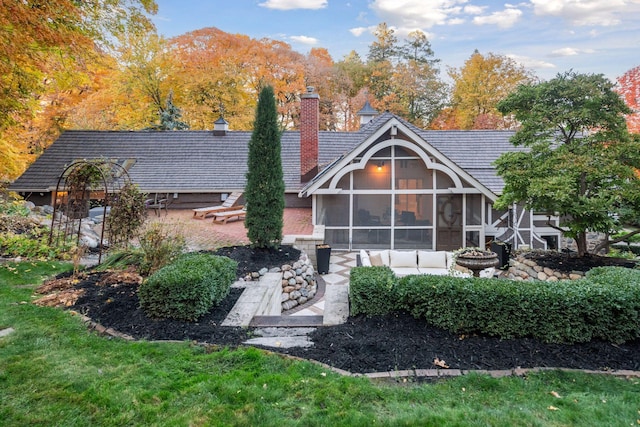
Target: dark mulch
[
  {"x": 118, "y": 307},
  {"x": 376, "y": 344},
  {"x": 252, "y": 260},
  {"x": 568, "y": 262}
]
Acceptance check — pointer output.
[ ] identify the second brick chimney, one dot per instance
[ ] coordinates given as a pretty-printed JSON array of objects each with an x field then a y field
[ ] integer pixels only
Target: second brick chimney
[{"x": 309, "y": 134}]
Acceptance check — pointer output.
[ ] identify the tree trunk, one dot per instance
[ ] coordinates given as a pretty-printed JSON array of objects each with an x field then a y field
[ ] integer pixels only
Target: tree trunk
[
  {"x": 607, "y": 242},
  {"x": 581, "y": 243}
]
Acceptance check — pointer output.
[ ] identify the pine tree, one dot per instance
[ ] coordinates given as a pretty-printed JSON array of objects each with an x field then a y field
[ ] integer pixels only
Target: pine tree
[
  {"x": 170, "y": 117},
  {"x": 264, "y": 191}
]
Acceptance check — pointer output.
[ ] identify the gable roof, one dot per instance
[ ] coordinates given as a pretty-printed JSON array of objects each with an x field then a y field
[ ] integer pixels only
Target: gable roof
[
  {"x": 202, "y": 161},
  {"x": 474, "y": 151}
]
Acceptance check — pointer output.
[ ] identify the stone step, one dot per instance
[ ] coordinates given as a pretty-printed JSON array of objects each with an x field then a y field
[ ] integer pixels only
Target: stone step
[
  {"x": 282, "y": 337},
  {"x": 286, "y": 321}
]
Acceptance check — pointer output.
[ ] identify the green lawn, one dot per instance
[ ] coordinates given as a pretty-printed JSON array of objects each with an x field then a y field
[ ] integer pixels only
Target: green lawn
[{"x": 54, "y": 372}]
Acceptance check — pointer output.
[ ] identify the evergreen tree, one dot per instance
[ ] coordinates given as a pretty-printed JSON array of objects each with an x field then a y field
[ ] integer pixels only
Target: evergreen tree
[
  {"x": 170, "y": 117},
  {"x": 264, "y": 191}
]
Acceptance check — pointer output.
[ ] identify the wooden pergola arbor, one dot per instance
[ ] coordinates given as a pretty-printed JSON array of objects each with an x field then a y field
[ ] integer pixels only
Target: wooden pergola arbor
[{"x": 80, "y": 184}]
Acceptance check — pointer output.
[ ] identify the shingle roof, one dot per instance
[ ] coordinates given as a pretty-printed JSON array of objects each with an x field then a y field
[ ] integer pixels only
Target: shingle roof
[{"x": 200, "y": 161}]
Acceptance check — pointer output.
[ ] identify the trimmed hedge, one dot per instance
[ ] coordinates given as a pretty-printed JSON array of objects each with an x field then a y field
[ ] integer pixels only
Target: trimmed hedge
[
  {"x": 187, "y": 288},
  {"x": 604, "y": 305},
  {"x": 372, "y": 290}
]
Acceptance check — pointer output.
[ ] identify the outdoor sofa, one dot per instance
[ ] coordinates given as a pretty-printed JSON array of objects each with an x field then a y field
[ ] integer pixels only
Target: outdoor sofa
[{"x": 406, "y": 262}]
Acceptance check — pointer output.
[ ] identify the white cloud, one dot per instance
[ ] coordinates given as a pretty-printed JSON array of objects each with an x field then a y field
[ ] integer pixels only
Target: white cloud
[
  {"x": 474, "y": 10},
  {"x": 456, "y": 21},
  {"x": 503, "y": 19},
  {"x": 294, "y": 4},
  {"x": 305, "y": 40},
  {"x": 358, "y": 31},
  {"x": 570, "y": 51},
  {"x": 588, "y": 12},
  {"x": 417, "y": 13},
  {"x": 531, "y": 63}
]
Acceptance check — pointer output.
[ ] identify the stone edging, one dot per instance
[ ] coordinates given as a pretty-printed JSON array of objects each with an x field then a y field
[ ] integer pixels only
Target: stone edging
[
  {"x": 521, "y": 268},
  {"x": 391, "y": 375},
  {"x": 450, "y": 373}
]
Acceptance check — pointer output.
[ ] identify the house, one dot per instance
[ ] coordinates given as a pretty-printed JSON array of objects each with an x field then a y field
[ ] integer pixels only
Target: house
[{"x": 387, "y": 185}]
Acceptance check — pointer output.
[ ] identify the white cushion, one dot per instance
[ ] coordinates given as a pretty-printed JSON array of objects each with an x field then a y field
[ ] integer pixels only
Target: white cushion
[
  {"x": 405, "y": 271},
  {"x": 432, "y": 259},
  {"x": 403, "y": 259},
  {"x": 383, "y": 254},
  {"x": 364, "y": 259}
]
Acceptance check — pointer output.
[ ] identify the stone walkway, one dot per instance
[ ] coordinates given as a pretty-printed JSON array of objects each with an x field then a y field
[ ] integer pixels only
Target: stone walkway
[
  {"x": 335, "y": 281},
  {"x": 292, "y": 328}
]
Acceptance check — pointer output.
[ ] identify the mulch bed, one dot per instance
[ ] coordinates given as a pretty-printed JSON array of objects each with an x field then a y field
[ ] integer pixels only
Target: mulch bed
[{"x": 362, "y": 344}]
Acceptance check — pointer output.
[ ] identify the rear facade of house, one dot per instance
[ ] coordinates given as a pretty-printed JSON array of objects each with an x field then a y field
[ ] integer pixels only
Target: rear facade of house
[{"x": 387, "y": 185}]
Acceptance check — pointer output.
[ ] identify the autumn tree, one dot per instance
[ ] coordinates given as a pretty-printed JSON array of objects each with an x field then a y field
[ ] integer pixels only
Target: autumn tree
[
  {"x": 321, "y": 74},
  {"x": 579, "y": 162},
  {"x": 478, "y": 86},
  {"x": 264, "y": 191},
  {"x": 213, "y": 77},
  {"x": 385, "y": 45},
  {"x": 417, "y": 82},
  {"x": 417, "y": 47},
  {"x": 629, "y": 89},
  {"x": 224, "y": 73},
  {"x": 147, "y": 71},
  {"x": 47, "y": 48},
  {"x": 349, "y": 83},
  {"x": 275, "y": 64}
]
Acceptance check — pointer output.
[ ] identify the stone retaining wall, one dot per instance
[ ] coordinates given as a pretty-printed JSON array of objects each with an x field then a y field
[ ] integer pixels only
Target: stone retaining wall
[
  {"x": 521, "y": 268},
  {"x": 307, "y": 243},
  {"x": 298, "y": 281}
]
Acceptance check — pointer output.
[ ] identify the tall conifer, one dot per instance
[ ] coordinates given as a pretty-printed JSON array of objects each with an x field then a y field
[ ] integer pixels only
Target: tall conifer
[{"x": 264, "y": 192}]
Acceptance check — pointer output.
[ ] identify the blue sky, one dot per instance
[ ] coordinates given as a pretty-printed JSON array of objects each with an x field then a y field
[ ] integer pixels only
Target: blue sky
[{"x": 546, "y": 36}]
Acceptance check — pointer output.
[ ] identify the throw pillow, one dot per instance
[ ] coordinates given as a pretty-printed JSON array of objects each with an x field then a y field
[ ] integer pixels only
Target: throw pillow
[
  {"x": 403, "y": 259},
  {"x": 376, "y": 259}
]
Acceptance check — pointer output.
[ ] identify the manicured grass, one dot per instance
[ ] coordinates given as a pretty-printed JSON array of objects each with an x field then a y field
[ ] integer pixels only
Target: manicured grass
[{"x": 54, "y": 372}]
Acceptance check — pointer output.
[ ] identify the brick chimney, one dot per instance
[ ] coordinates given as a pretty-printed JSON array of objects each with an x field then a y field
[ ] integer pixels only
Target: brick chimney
[{"x": 309, "y": 134}]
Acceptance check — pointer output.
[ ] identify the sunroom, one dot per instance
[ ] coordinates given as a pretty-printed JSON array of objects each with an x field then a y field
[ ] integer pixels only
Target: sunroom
[{"x": 396, "y": 191}]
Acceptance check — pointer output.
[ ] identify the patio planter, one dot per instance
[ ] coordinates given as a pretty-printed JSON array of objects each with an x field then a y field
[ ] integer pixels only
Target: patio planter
[
  {"x": 323, "y": 254},
  {"x": 476, "y": 261}
]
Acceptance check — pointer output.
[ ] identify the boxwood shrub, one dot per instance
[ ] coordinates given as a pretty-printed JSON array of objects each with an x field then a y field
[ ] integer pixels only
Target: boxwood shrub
[
  {"x": 187, "y": 288},
  {"x": 604, "y": 305},
  {"x": 372, "y": 291}
]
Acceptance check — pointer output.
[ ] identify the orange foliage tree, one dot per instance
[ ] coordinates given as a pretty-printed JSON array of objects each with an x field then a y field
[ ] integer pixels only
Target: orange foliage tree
[
  {"x": 478, "y": 86},
  {"x": 48, "y": 49},
  {"x": 629, "y": 89}
]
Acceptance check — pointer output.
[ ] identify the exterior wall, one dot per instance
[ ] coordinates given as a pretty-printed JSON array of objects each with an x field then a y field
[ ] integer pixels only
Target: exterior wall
[
  {"x": 186, "y": 200},
  {"x": 525, "y": 230},
  {"x": 38, "y": 199}
]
